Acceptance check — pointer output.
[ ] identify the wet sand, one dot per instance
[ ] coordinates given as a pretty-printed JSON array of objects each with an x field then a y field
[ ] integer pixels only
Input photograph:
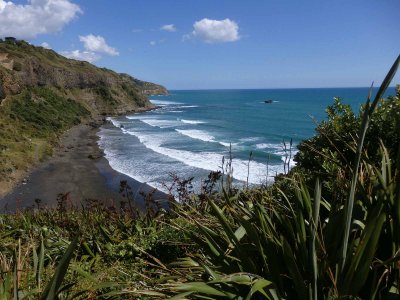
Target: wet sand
[{"x": 78, "y": 168}]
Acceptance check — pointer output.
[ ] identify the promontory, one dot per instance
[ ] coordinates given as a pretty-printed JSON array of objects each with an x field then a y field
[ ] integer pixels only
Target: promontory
[{"x": 43, "y": 94}]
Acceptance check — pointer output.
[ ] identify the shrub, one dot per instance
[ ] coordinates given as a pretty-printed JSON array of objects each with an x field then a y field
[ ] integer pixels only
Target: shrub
[
  {"x": 333, "y": 147},
  {"x": 17, "y": 66},
  {"x": 45, "y": 112},
  {"x": 105, "y": 93}
]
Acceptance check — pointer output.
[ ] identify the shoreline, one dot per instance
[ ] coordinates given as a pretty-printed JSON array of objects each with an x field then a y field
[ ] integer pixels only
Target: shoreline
[
  {"x": 20, "y": 176},
  {"x": 78, "y": 169}
]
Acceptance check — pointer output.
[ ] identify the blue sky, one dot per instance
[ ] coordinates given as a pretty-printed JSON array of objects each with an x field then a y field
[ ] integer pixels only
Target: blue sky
[{"x": 219, "y": 44}]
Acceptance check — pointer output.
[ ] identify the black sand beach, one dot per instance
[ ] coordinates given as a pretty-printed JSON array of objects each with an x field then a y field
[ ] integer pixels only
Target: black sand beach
[{"x": 78, "y": 168}]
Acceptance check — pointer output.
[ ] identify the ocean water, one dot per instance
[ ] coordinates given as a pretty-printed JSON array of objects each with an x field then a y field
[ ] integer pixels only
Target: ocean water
[{"x": 192, "y": 131}]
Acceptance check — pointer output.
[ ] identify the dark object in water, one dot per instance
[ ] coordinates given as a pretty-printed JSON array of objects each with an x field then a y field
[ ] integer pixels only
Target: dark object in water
[
  {"x": 268, "y": 101},
  {"x": 121, "y": 126}
]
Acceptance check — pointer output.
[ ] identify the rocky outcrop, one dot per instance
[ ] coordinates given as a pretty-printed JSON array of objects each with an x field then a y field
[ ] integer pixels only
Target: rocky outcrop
[
  {"x": 101, "y": 90},
  {"x": 149, "y": 88},
  {"x": 5, "y": 62}
]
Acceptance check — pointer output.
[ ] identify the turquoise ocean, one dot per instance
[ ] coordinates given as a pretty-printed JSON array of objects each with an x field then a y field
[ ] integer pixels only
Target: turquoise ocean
[{"x": 192, "y": 131}]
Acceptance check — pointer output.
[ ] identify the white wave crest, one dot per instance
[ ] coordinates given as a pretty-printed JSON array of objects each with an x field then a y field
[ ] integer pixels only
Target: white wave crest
[
  {"x": 194, "y": 122},
  {"x": 114, "y": 122},
  {"x": 225, "y": 144},
  {"x": 160, "y": 123},
  {"x": 163, "y": 102},
  {"x": 250, "y": 139},
  {"x": 136, "y": 117},
  {"x": 196, "y": 134},
  {"x": 285, "y": 156},
  {"x": 208, "y": 160},
  {"x": 269, "y": 146}
]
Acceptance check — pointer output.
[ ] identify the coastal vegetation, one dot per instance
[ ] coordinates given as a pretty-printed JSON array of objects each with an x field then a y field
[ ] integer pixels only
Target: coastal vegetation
[
  {"x": 31, "y": 124},
  {"x": 328, "y": 229}
]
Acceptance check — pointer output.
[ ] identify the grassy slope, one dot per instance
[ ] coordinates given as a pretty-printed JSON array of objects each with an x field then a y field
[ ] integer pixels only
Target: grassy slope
[{"x": 30, "y": 125}]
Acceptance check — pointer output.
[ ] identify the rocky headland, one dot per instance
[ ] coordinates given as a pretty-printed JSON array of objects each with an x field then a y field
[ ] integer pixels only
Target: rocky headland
[{"x": 43, "y": 94}]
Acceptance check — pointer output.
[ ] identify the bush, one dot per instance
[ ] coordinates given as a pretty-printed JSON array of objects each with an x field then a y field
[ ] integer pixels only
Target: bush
[
  {"x": 17, "y": 66},
  {"x": 45, "y": 112},
  {"x": 105, "y": 94},
  {"x": 333, "y": 146}
]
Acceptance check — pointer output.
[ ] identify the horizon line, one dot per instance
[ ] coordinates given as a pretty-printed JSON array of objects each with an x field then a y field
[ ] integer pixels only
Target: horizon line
[{"x": 287, "y": 88}]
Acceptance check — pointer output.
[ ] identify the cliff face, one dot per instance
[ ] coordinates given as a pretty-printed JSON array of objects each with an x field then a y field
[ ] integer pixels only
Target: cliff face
[
  {"x": 43, "y": 94},
  {"x": 100, "y": 90}
]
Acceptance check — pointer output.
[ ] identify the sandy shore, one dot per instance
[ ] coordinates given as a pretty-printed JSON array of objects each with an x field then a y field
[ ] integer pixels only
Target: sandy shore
[{"x": 78, "y": 168}]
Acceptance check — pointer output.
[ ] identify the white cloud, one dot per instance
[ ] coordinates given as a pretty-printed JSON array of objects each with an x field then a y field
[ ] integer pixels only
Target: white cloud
[
  {"x": 215, "y": 31},
  {"x": 45, "y": 45},
  {"x": 26, "y": 21},
  {"x": 94, "y": 46},
  {"x": 97, "y": 44},
  {"x": 82, "y": 55},
  {"x": 168, "y": 27},
  {"x": 136, "y": 30},
  {"x": 153, "y": 43}
]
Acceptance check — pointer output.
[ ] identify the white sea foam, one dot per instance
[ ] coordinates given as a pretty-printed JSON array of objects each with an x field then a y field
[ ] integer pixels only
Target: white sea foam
[
  {"x": 285, "y": 156},
  {"x": 137, "y": 117},
  {"x": 160, "y": 123},
  {"x": 202, "y": 135},
  {"x": 140, "y": 170},
  {"x": 207, "y": 160},
  {"x": 250, "y": 139},
  {"x": 197, "y": 134},
  {"x": 269, "y": 146},
  {"x": 114, "y": 122},
  {"x": 188, "y": 106},
  {"x": 156, "y": 122},
  {"x": 176, "y": 111},
  {"x": 194, "y": 122},
  {"x": 225, "y": 144},
  {"x": 164, "y": 103}
]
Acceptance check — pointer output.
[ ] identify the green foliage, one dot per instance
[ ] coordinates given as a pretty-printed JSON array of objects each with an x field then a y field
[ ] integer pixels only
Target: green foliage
[
  {"x": 296, "y": 251},
  {"x": 17, "y": 66},
  {"x": 105, "y": 93},
  {"x": 30, "y": 123},
  {"x": 45, "y": 112},
  {"x": 53, "y": 288},
  {"x": 332, "y": 149},
  {"x": 114, "y": 252}
]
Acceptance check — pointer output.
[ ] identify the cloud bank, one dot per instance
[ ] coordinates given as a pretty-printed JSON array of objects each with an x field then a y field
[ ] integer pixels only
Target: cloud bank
[
  {"x": 26, "y": 21},
  {"x": 216, "y": 31}
]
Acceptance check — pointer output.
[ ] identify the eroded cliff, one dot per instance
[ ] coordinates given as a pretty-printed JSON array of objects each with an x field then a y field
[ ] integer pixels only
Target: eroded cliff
[{"x": 100, "y": 90}]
